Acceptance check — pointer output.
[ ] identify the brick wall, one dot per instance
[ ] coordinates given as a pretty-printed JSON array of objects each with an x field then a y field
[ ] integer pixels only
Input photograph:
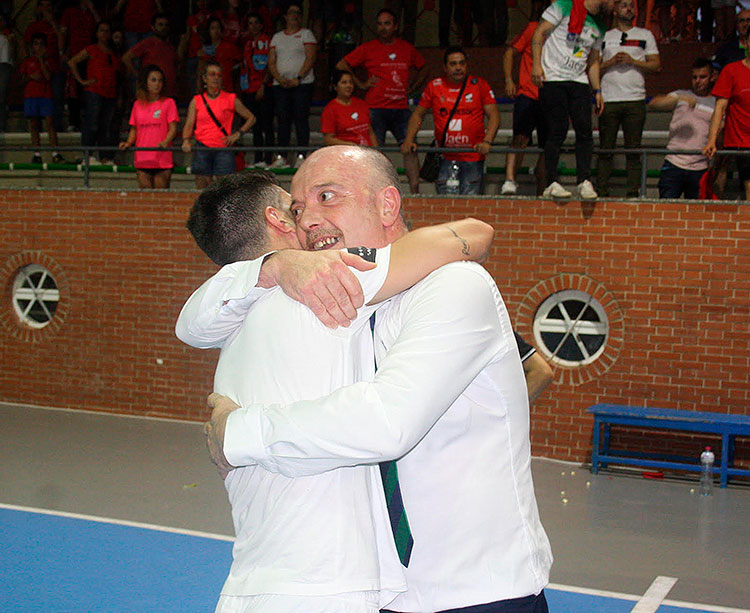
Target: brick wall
[{"x": 673, "y": 277}]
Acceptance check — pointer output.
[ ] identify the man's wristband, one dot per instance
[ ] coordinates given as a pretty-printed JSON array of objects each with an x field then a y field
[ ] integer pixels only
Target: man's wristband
[{"x": 597, "y": 91}]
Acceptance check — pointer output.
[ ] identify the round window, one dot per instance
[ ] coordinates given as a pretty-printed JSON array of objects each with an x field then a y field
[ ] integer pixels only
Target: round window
[
  {"x": 571, "y": 328},
  {"x": 35, "y": 295}
]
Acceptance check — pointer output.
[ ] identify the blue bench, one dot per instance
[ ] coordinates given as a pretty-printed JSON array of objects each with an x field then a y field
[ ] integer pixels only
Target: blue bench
[{"x": 727, "y": 426}]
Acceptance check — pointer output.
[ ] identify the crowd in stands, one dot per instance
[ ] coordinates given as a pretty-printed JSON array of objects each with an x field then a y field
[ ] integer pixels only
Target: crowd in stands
[{"x": 125, "y": 66}]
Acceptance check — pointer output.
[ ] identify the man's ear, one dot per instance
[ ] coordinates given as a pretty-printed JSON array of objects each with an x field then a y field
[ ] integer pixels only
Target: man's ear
[
  {"x": 279, "y": 220},
  {"x": 390, "y": 205}
]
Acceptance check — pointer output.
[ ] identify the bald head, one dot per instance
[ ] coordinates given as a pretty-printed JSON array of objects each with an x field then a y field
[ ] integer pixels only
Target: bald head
[{"x": 347, "y": 196}]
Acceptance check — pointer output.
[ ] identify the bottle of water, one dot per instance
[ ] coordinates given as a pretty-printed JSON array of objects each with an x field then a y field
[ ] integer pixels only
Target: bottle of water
[
  {"x": 451, "y": 185},
  {"x": 707, "y": 472}
]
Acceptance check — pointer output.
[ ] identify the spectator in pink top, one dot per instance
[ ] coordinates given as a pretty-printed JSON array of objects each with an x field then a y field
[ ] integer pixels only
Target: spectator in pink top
[{"x": 153, "y": 123}]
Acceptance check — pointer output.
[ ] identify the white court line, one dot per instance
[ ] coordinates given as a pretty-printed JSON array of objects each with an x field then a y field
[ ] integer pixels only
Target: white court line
[
  {"x": 222, "y": 537},
  {"x": 104, "y": 413},
  {"x": 622, "y": 596},
  {"x": 655, "y": 595},
  {"x": 119, "y": 522}
]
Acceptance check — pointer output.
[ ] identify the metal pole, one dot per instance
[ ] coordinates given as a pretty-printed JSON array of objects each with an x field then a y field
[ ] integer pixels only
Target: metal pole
[{"x": 86, "y": 167}]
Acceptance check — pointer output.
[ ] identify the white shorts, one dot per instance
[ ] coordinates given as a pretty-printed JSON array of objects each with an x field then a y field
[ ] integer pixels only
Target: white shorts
[{"x": 352, "y": 602}]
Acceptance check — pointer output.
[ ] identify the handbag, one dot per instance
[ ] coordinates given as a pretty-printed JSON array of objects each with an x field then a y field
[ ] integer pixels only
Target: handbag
[{"x": 431, "y": 165}]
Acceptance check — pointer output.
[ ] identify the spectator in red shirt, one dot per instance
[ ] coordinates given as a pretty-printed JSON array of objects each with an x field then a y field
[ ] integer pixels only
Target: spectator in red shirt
[
  {"x": 210, "y": 116},
  {"x": 732, "y": 91},
  {"x": 156, "y": 50},
  {"x": 389, "y": 61},
  {"x": 255, "y": 91},
  {"x": 192, "y": 41},
  {"x": 231, "y": 19},
  {"x": 37, "y": 104},
  {"x": 466, "y": 128},
  {"x": 346, "y": 119},
  {"x": 46, "y": 23},
  {"x": 6, "y": 68},
  {"x": 136, "y": 18},
  {"x": 224, "y": 52},
  {"x": 78, "y": 24},
  {"x": 100, "y": 90},
  {"x": 527, "y": 111}
]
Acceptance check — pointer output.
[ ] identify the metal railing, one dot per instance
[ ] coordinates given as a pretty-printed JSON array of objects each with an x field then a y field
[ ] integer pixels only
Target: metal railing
[{"x": 86, "y": 167}]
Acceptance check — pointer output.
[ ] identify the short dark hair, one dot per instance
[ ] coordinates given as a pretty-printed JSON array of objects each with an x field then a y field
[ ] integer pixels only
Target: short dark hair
[
  {"x": 211, "y": 20},
  {"x": 451, "y": 50},
  {"x": 39, "y": 36},
  {"x": 385, "y": 9},
  {"x": 254, "y": 14},
  {"x": 159, "y": 16},
  {"x": 701, "y": 62},
  {"x": 227, "y": 220},
  {"x": 337, "y": 74}
]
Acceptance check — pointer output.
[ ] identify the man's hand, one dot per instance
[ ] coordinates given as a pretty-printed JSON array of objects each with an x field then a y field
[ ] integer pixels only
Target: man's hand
[
  {"x": 599, "y": 103},
  {"x": 320, "y": 280},
  {"x": 214, "y": 431},
  {"x": 709, "y": 150},
  {"x": 483, "y": 147},
  {"x": 691, "y": 101},
  {"x": 408, "y": 146},
  {"x": 510, "y": 88},
  {"x": 537, "y": 75}
]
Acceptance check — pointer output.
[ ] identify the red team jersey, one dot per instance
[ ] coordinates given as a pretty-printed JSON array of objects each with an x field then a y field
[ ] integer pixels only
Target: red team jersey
[
  {"x": 467, "y": 125},
  {"x": 256, "y": 63},
  {"x": 102, "y": 66},
  {"x": 522, "y": 44},
  {"x": 34, "y": 88},
  {"x": 390, "y": 64},
  {"x": 734, "y": 85},
  {"x": 347, "y": 122}
]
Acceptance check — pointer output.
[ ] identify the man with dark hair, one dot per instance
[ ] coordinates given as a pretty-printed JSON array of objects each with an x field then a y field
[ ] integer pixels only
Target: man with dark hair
[
  {"x": 448, "y": 400},
  {"x": 565, "y": 50},
  {"x": 466, "y": 128},
  {"x": 157, "y": 50},
  {"x": 732, "y": 50},
  {"x": 227, "y": 220},
  {"x": 337, "y": 556},
  {"x": 389, "y": 62},
  {"x": 688, "y": 129},
  {"x": 628, "y": 53}
]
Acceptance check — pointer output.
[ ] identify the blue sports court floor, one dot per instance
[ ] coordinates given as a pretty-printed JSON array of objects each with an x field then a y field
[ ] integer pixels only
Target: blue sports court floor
[{"x": 108, "y": 513}]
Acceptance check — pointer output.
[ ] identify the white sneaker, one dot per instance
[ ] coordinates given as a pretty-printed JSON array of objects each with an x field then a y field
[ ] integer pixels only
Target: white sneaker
[
  {"x": 555, "y": 190},
  {"x": 509, "y": 188},
  {"x": 279, "y": 162},
  {"x": 586, "y": 190},
  {"x": 262, "y": 165},
  {"x": 299, "y": 160}
]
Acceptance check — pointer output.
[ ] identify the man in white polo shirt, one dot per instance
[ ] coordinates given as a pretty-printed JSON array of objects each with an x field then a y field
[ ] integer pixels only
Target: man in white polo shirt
[
  {"x": 449, "y": 401},
  {"x": 337, "y": 556},
  {"x": 565, "y": 52},
  {"x": 627, "y": 54}
]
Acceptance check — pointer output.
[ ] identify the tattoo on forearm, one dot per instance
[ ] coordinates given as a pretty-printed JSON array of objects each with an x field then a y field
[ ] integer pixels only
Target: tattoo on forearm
[{"x": 465, "y": 248}]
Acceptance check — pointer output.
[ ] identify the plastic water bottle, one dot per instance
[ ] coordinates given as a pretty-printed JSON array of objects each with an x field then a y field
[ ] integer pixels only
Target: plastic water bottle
[
  {"x": 451, "y": 185},
  {"x": 707, "y": 472}
]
